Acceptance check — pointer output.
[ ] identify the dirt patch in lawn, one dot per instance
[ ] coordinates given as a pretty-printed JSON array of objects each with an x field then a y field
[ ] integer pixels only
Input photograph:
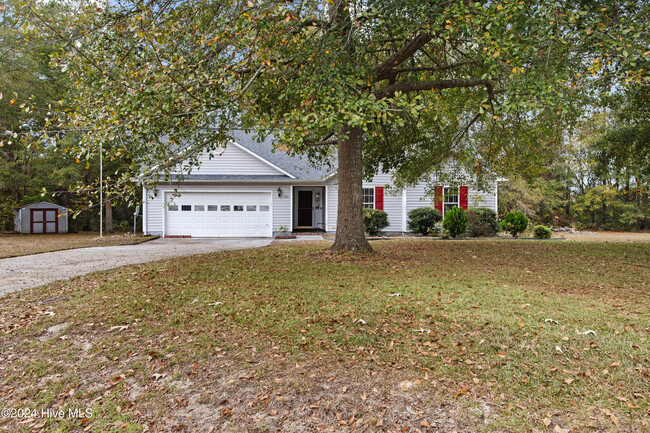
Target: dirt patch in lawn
[
  {"x": 15, "y": 245},
  {"x": 248, "y": 382},
  {"x": 269, "y": 392}
]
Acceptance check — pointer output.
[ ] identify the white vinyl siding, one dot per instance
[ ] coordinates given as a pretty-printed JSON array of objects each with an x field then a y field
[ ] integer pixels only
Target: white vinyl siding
[
  {"x": 487, "y": 199},
  {"x": 282, "y": 208},
  {"x": 332, "y": 204},
  {"x": 415, "y": 198},
  {"x": 234, "y": 161}
]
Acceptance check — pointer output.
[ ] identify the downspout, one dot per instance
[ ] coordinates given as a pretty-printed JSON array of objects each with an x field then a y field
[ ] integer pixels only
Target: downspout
[
  {"x": 404, "y": 213},
  {"x": 144, "y": 211},
  {"x": 496, "y": 198}
]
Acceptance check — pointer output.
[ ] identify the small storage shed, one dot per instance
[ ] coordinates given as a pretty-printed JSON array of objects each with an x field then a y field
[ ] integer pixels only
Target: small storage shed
[{"x": 41, "y": 217}]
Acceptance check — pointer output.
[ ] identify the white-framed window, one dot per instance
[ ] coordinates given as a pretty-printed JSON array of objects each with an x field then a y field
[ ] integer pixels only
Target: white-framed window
[
  {"x": 369, "y": 198},
  {"x": 450, "y": 198}
]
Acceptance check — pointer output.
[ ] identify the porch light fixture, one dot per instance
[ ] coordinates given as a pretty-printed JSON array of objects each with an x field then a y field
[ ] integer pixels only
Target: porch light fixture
[{"x": 279, "y": 192}]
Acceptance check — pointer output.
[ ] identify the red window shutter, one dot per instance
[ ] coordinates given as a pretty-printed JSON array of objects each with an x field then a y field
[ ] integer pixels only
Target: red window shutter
[
  {"x": 438, "y": 197},
  {"x": 463, "y": 197},
  {"x": 379, "y": 197}
]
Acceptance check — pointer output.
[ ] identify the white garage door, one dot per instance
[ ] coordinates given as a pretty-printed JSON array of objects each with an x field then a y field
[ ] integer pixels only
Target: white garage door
[{"x": 219, "y": 214}]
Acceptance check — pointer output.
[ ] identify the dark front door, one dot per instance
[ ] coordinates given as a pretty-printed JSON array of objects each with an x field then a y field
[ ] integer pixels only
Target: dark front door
[
  {"x": 305, "y": 208},
  {"x": 44, "y": 220}
]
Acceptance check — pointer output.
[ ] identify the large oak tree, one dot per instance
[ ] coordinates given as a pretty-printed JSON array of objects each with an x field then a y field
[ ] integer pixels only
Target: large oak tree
[{"x": 400, "y": 85}]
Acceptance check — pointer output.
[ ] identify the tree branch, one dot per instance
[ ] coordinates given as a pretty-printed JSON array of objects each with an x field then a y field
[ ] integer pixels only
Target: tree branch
[
  {"x": 432, "y": 68},
  {"x": 250, "y": 82},
  {"x": 327, "y": 141},
  {"x": 385, "y": 69},
  {"x": 320, "y": 143},
  {"x": 416, "y": 86},
  {"x": 465, "y": 130}
]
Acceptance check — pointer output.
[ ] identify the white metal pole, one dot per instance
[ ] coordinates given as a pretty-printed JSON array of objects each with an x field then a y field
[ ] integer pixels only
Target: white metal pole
[{"x": 101, "y": 192}]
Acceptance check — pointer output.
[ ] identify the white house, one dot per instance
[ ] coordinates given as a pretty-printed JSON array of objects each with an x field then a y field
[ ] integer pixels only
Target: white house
[{"x": 250, "y": 191}]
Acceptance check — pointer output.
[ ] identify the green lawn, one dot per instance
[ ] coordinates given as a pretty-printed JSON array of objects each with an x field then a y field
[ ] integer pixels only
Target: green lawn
[
  {"x": 14, "y": 245},
  {"x": 305, "y": 339}
]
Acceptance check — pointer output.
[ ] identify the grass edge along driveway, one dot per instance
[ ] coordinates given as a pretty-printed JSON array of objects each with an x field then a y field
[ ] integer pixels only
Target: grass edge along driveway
[{"x": 16, "y": 245}]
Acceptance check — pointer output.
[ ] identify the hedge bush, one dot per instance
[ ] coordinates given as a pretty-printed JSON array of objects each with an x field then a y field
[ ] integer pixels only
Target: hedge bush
[
  {"x": 423, "y": 220},
  {"x": 455, "y": 222},
  {"x": 515, "y": 223},
  {"x": 482, "y": 221},
  {"x": 374, "y": 221},
  {"x": 542, "y": 232}
]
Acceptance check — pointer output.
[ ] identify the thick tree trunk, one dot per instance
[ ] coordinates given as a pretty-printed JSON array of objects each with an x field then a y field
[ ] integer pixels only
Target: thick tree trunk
[
  {"x": 350, "y": 235},
  {"x": 108, "y": 217}
]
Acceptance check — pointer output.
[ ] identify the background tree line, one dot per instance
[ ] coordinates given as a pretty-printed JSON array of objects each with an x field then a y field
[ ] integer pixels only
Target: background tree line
[
  {"x": 600, "y": 177},
  {"x": 36, "y": 163}
]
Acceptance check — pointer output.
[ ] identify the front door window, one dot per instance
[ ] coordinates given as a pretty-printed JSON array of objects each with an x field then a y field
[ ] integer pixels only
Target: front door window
[{"x": 305, "y": 208}]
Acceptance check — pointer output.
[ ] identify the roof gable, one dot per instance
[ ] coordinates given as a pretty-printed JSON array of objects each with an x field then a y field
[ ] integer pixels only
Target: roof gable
[
  {"x": 234, "y": 160},
  {"x": 298, "y": 166}
]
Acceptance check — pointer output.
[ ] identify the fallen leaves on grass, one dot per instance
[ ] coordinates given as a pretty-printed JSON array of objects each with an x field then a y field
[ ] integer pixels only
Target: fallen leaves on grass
[
  {"x": 20, "y": 317},
  {"x": 611, "y": 416},
  {"x": 462, "y": 391},
  {"x": 458, "y": 337}
]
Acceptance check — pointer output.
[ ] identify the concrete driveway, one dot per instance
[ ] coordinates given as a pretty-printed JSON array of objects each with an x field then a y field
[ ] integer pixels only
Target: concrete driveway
[{"x": 31, "y": 271}]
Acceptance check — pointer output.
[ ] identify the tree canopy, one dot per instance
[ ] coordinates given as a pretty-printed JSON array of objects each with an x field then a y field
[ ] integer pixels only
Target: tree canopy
[
  {"x": 623, "y": 152},
  {"x": 401, "y": 85},
  {"x": 38, "y": 158},
  {"x": 27, "y": 85}
]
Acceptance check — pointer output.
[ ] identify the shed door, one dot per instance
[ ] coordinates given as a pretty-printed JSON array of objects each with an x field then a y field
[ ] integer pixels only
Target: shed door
[
  {"x": 44, "y": 220},
  {"x": 219, "y": 214}
]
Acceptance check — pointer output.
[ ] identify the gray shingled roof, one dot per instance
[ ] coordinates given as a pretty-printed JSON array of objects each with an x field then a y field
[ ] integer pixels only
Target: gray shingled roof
[{"x": 298, "y": 166}]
